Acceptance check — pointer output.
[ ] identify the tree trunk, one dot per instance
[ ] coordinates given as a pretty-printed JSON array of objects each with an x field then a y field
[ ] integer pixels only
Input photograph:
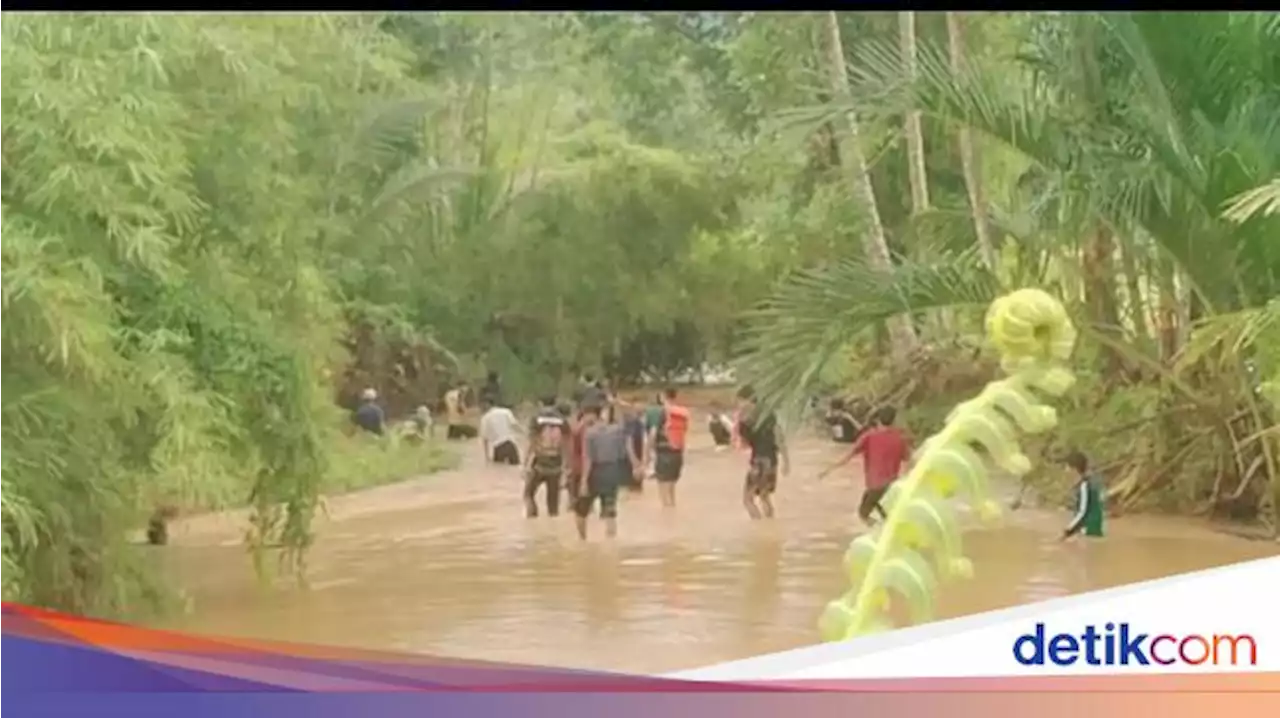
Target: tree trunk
[
  {"x": 915, "y": 138},
  {"x": 1100, "y": 295},
  {"x": 968, "y": 158},
  {"x": 917, "y": 173},
  {"x": 854, "y": 164},
  {"x": 1137, "y": 304}
]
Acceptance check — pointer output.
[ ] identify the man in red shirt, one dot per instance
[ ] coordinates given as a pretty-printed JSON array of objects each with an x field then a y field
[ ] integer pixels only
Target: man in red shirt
[{"x": 884, "y": 450}]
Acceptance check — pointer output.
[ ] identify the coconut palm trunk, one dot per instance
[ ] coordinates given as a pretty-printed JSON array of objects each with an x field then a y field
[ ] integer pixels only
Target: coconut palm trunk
[
  {"x": 854, "y": 165},
  {"x": 916, "y": 171},
  {"x": 968, "y": 157}
]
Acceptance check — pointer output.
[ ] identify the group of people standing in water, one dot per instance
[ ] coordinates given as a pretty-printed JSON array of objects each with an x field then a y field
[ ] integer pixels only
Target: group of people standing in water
[
  {"x": 593, "y": 448},
  {"x": 598, "y": 445}
]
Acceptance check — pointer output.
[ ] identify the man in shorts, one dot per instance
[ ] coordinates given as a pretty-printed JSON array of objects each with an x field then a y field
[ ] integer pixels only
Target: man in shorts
[
  {"x": 667, "y": 440},
  {"x": 548, "y": 447},
  {"x": 762, "y": 435},
  {"x": 607, "y": 458}
]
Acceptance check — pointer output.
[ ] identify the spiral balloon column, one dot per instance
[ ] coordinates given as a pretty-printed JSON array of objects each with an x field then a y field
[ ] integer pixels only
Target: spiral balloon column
[{"x": 920, "y": 540}]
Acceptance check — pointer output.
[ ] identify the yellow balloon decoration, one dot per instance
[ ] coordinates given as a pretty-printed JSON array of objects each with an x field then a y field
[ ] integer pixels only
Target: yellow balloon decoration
[{"x": 920, "y": 540}]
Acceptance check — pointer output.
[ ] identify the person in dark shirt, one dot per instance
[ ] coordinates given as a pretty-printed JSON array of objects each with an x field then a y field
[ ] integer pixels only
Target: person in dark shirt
[
  {"x": 844, "y": 429},
  {"x": 589, "y": 393},
  {"x": 611, "y": 409},
  {"x": 608, "y": 456},
  {"x": 492, "y": 390},
  {"x": 369, "y": 415},
  {"x": 760, "y": 432},
  {"x": 158, "y": 525},
  {"x": 547, "y": 454},
  {"x": 633, "y": 426}
]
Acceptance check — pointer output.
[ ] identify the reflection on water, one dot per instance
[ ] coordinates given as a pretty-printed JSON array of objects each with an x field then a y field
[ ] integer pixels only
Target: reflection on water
[{"x": 448, "y": 565}]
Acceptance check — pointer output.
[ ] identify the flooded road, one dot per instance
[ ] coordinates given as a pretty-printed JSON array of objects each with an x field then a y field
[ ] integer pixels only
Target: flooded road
[{"x": 448, "y": 565}]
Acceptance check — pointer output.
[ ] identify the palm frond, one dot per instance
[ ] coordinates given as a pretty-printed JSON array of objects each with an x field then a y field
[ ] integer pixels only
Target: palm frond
[
  {"x": 815, "y": 314},
  {"x": 1263, "y": 201},
  {"x": 384, "y": 131},
  {"x": 422, "y": 181}
]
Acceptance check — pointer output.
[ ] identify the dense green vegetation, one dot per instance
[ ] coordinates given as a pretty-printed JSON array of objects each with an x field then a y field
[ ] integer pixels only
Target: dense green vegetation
[{"x": 215, "y": 226}]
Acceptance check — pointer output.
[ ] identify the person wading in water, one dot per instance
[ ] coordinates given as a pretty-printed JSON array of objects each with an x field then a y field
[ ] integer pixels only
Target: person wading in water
[
  {"x": 548, "y": 447},
  {"x": 763, "y": 436},
  {"x": 607, "y": 457},
  {"x": 499, "y": 430},
  {"x": 633, "y": 426},
  {"x": 885, "y": 450},
  {"x": 577, "y": 453},
  {"x": 667, "y": 440}
]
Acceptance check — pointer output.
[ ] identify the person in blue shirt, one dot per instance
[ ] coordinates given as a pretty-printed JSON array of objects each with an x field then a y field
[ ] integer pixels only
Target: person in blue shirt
[{"x": 369, "y": 415}]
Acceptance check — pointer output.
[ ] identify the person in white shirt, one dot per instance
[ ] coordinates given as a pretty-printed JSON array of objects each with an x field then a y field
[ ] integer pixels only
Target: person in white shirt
[
  {"x": 499, "y": 430},
  {"x": 455, "y": 408}
]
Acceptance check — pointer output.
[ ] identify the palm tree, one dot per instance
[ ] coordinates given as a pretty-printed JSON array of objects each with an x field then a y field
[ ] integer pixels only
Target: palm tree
[
  {"x": 968, "y": 159},
  {"x": 1138, "y": 129},
  {"x": 902, "y": 334},
  {"x": 917, "y": 174}
]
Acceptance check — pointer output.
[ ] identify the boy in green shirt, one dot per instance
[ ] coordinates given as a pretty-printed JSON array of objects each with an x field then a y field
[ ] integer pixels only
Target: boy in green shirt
[{"x": 1090, "y": 492}]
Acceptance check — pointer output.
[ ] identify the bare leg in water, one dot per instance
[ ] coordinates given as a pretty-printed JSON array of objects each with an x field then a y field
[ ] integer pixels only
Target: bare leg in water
[
  {"x": 530, "y": 494},
  {"x": 757, "y": 491},
  {"x": 758, "y": 505},
  {"x": 608, "y": 498},
  {"x": 667, "y": 493},
  {"x": 766, "y": 504},
  {"x": 749, "y": 503},
  {"x": 610, "y": 525}
]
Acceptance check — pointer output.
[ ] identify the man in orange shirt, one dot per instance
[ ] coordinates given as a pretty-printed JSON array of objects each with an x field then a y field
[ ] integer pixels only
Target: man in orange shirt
[
  {"x": 884, "y": 450},
  {"x": 667, "y": 440}
]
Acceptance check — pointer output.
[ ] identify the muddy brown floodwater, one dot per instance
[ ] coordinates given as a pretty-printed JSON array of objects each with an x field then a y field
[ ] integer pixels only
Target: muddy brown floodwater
[{"x": 448, "y": 565}]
